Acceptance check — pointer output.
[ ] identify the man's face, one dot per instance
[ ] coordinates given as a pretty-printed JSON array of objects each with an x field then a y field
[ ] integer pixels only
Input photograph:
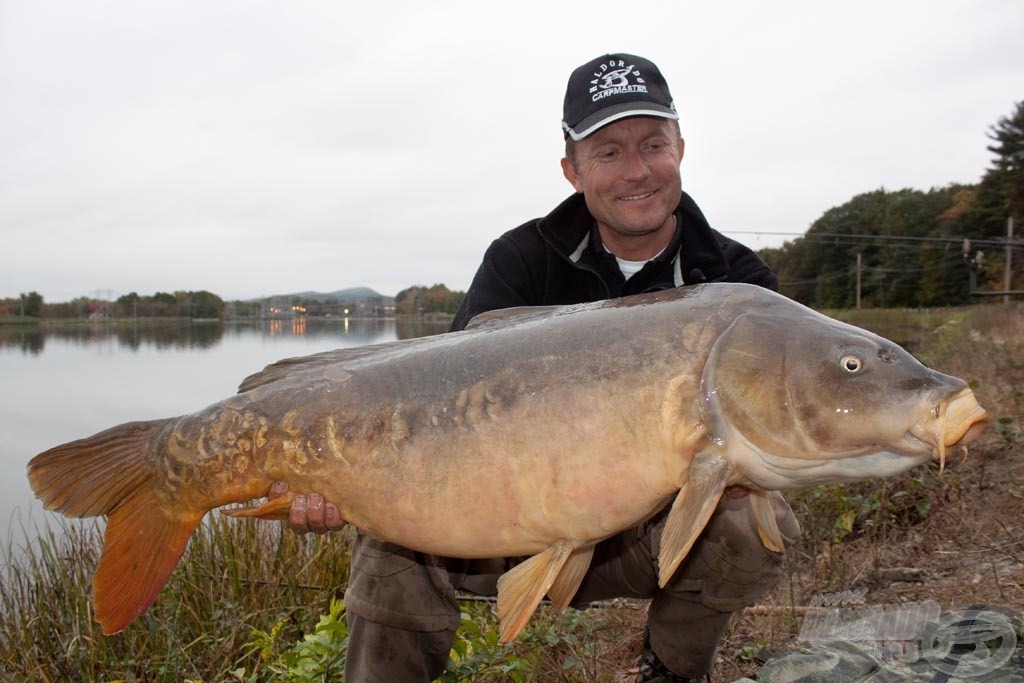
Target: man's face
[{"x": 628, "y": 173}]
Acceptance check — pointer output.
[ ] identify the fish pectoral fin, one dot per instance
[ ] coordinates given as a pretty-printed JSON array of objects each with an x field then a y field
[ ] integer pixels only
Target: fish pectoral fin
[
  {"x": 522, "y": 588},
  {"x": 767, "y": 527},
  {"x": 693, "y": 507},
  {"x": 570, "y": 578},
  {"x": 275, "y": 509}
]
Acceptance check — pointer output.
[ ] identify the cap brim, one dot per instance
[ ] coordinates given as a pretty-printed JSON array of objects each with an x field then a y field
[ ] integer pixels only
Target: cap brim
[{"x": 614, "y": 113}]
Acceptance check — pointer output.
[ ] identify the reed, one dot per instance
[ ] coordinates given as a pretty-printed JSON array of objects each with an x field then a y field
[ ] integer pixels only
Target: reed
[
  {"x": 234, "y": 578},
  {"x": 238, "y": 605}
]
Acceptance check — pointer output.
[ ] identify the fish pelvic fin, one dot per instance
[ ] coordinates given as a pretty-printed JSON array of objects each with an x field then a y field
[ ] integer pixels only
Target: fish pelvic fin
[
  {"x": 113, "y": 473},
  {"x": 570, "y": 578},
  {"x": 690, "y": 512},
  {"x": 522, "y": 588},
  {"x": 767, "y": 527}
]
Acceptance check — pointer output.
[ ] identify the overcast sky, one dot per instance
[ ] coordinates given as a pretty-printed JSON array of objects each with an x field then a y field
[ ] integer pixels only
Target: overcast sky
[{"x": 252, "y": 148}]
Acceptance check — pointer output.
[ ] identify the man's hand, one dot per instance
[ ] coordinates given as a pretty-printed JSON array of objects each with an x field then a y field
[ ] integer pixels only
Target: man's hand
[
  {"x": 313, "y": 514},
  {"x": 309, "y": 513}
]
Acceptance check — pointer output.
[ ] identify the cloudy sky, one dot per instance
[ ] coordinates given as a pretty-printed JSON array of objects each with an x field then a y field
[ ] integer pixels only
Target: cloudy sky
[{"x": 252, "y": 148}]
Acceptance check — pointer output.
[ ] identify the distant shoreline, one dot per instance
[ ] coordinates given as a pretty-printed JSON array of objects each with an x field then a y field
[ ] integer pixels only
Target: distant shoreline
[{"x": 27, "y": 321}]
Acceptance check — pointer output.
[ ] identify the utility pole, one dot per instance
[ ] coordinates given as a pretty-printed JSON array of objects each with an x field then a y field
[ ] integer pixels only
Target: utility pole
[
  {"x": 1006, "y": 275},
  {"x": 859, "y": 268}
]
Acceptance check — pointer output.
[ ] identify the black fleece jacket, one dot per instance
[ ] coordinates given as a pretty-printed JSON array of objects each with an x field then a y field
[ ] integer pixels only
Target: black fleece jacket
[{"x": 559, "y": 259}]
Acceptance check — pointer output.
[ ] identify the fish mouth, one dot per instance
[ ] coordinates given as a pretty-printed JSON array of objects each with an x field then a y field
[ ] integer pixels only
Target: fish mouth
[{"x": 955, "y": 422}]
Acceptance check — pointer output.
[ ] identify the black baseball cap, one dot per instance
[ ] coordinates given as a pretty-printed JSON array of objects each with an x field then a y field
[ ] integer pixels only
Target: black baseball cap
[{"x": 613, "y": 87}]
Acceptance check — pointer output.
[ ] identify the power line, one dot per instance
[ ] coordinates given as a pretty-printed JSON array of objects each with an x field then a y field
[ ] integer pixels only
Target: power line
[{"x": 1000, "y": 242}]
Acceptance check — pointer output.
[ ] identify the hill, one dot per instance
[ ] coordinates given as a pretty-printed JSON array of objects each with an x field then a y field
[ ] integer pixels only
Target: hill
[{"x": 349, "y": 295}]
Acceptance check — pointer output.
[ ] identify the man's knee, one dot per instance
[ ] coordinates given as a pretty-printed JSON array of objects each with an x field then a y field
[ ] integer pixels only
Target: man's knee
[
  {"x": 730, "y": 567},
  {"x": 395, "y": 586}
]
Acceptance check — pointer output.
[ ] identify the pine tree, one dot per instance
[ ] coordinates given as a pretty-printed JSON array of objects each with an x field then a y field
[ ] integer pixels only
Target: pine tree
[{"x": 1008, "y": 173}]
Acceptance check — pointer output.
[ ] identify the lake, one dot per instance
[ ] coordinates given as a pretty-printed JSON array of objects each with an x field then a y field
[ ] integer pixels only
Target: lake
[{"x": 61, "y": 384}]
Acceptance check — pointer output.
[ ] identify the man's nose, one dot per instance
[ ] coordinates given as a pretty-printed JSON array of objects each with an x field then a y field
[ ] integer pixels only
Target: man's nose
[{"x": 635, "y": 166}]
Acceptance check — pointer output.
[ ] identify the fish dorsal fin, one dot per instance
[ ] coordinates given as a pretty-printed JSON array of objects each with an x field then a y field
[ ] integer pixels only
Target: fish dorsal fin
[
  {"x": 767, "y": 527},
  {"x": 696, "y": 501},
  {"x": 522, "y": 588},
  {"x": 509, "y": 316},
  {"x": 341, "y": 357},
  {"x": 570, "y": 578}
]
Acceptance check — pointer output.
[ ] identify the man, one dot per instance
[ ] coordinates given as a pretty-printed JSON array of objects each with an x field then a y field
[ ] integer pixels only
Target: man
[{"x": 628, "y": 228}]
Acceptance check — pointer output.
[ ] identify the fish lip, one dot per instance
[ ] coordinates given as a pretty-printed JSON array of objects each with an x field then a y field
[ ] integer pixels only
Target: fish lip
[
  {"x": 967, "y": 417},
  {"x": 957, "y": 420}
]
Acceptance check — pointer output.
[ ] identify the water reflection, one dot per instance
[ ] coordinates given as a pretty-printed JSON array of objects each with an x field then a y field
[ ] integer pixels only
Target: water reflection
[
  {"x": 28, "y": 339},
  {"x": 31, "y": 339},
  {"x": 61, "y": 383},
  {"x": 163, "y": 335}
]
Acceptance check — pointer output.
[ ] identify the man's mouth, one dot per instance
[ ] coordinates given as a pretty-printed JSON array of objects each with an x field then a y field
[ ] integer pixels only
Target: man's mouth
[{"x": 636, "y": 197}]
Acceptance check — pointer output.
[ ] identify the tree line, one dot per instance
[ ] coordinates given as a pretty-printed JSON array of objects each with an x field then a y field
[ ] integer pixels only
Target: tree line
[
  {"x": 435, "y": 299},
  {"x": 182, "y": 304},
  {"x": 415, "y": 300},
  {"x": 912, "y": 248}
]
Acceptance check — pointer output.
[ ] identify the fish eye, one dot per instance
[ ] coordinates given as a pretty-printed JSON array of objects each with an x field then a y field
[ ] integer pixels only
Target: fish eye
[{"x": 851, "y": 364}]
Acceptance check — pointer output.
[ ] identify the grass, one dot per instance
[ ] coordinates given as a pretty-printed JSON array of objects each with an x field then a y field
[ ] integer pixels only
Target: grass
[
  {"x": 234, "y": 578},
  {"x": 249, "y": 603},
  {"x": 18, "y": 320}
]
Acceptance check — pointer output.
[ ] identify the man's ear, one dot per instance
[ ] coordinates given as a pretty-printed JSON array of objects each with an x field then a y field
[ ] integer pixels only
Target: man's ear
[
  {"x": 682, "y": 148},
  {"x": 571, "y": 174}
]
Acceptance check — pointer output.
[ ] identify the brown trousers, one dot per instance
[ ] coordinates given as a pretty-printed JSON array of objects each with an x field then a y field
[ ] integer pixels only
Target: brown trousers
[{"x": 402, "y": 612}]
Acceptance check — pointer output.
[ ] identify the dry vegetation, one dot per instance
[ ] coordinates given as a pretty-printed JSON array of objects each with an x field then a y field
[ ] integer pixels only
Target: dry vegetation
[{"x": 957, "y": 539}]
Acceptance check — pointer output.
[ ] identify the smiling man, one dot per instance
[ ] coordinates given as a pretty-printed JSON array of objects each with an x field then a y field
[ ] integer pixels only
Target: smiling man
[
  {"x": 628, "y": 228},
  {"x": 628, "y": 174}
]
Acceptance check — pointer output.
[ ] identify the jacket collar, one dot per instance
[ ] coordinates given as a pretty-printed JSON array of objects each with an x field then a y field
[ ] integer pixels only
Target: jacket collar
[{"x": 572, "y": 232}]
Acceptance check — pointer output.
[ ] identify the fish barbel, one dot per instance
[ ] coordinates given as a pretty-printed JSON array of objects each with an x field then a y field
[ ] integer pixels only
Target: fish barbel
[{"x": 537, "y": 432}]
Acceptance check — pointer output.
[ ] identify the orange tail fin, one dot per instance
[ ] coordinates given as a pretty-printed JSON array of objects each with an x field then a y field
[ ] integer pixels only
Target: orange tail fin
[{"x": 112, "y": 473}]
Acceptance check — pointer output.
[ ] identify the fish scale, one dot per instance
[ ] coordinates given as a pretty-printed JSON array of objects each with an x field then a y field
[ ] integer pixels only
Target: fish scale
[{"x": 535, "y": 432}]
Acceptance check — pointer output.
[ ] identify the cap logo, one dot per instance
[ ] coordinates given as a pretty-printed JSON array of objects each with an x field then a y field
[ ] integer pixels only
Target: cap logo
[{"x": 613, "y": 78}]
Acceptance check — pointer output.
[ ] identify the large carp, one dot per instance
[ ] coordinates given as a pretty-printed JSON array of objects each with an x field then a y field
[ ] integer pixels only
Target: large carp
[{"x": 537, "y": 432}]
